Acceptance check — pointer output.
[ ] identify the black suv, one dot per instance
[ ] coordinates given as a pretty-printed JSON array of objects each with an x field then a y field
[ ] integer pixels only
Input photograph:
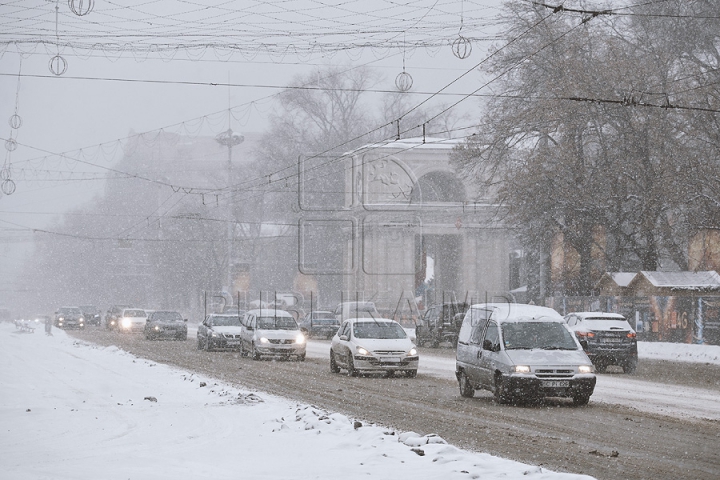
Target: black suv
[
  {"x": 319, "y": 323},
  {"x": 607, "y": 338},
  {"x": 441, "y": 323}
]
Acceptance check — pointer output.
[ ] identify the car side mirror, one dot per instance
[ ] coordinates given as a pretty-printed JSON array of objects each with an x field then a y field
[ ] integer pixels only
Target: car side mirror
[
  {"x": 344, "y": 338},
  {"x": 250, "y": 328},
  {"x": 184, "y": 319}
]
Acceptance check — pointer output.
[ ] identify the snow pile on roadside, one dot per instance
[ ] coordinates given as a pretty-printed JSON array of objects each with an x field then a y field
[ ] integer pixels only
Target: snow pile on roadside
[
  {"x": 71, "y": 410},
  {"x": 679, "y": 352}
]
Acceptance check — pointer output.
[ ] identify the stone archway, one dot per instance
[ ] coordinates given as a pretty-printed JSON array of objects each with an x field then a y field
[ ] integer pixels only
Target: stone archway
[{"x": 438, "y": 186}]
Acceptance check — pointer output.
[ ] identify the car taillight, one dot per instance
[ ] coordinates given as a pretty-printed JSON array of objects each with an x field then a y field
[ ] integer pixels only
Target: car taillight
[
  {"x": 584, "y": 335},
  {"x": 631, "y": 335}
]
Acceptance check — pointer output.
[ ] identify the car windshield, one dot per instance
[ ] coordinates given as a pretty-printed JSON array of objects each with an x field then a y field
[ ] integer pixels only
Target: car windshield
[
  {"x": 276, "y": 323},
  {"x": 540, "y": 335},
  {"x": 384, "y": 330},
  {"x": 70, "y": 311},
  {"x": 226, "y": 321},
  {"x": 167, "y": 316},
  {"x": 88, "y": 308},
  {"x": 603, "y": 319},
  {"x": 134, "y": 313},
  {"x": 323, "y": 315}
]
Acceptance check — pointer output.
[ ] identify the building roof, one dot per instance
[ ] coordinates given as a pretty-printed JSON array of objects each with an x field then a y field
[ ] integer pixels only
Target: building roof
[
  {"x": 622, "y": 279},
  {"x": 708, "y": 280}
]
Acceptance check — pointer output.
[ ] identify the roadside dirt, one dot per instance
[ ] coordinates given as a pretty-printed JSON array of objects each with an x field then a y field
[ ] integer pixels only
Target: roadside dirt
[{"x": 607, "y": 442}]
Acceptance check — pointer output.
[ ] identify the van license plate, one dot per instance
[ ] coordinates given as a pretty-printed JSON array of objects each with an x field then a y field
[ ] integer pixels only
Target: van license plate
[{"x": 555, "y": 384}]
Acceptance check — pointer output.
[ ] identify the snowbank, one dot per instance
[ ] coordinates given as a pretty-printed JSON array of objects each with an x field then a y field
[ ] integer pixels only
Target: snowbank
[{"x": 71, "y": 410}]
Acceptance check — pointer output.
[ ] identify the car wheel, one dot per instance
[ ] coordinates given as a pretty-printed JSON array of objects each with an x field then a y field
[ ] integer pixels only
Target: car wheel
[
  {"x": 411, "y": 373},
  {"x": 199, "y": 343},
  {"x": 333, "y": 364},
  {"x": 600, "y": 367},
  {"x": 301, "y": 358},
  {"x": 253, "y": 352},
  {"x": 581, "y": 399},
  {"x": 630, "y": 366},
  {"x": 466, "y": 388},
  {"x": 351, "y": 367},
  {"x": 207, "y": 344},
  {"x": 148, "y": 337},
  {"x": 501, "y": 395}
]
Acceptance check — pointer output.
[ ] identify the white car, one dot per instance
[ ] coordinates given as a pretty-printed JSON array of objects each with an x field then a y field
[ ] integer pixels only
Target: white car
[
  {"x": 132, "y": 320},
  {"x": 373, "y": 345},
  {"x": 270, "y": 332}
]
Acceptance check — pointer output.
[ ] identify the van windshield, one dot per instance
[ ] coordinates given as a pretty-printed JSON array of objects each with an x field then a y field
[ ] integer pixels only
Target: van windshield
[
  {"x": 540, "y": 335},
  {"x": 276, "y": 323}
]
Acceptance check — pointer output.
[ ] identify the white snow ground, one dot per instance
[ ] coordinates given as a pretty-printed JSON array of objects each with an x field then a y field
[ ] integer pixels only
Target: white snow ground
[{"x": 70, "y": 410}]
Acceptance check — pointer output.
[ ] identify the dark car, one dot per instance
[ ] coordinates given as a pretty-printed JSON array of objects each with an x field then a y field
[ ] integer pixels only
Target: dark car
[
  {"x": 91, "y": 314},
  {"x": 319, "y": 323},
  {"x": 441, "y": 323},
  {"x": 69, "y": 317},
  {"x": 219, "y": 331},
  {"x": 165, "y": 324},
  {"x": 113, "y": 315},
  {"x": 607, "y": 338}
]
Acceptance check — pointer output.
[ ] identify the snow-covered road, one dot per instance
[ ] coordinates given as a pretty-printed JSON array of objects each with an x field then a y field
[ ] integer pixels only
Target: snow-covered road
[{"x": 661, "y": 398}]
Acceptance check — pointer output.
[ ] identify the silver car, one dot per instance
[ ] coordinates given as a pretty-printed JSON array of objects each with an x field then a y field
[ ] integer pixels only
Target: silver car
[{"x": 520, "y": 353}]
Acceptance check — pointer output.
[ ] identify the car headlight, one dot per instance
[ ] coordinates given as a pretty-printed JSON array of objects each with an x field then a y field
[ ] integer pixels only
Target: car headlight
[
  {"x": 412, "y": 352},
  {"x": 362, "y": 351},
  {"x": 61, "y": 319},
  {"x": 264, "y": 340},
  {"x": 157, "y": 328},
  {"x": 126, "y": 322},
  {"x": 300, "y": 338},
  {"x": 521, "y": 369},
  {"x": 81, "y": 319},
  {"x": 586, "y": 369}
]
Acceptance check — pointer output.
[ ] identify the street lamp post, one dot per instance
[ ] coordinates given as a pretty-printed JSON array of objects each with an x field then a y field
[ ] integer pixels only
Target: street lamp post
[{"x": 229, "y": 139}]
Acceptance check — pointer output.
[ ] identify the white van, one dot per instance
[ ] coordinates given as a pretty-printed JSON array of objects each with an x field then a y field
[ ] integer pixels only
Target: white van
[{"x": 520, "y": 353}]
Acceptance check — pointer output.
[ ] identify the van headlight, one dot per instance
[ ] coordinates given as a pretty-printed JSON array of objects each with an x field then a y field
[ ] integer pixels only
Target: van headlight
[
  {"x": 300, "y": 339},
  {"x": 586, "y": 369},
  {"x": 521, "y": 369}
]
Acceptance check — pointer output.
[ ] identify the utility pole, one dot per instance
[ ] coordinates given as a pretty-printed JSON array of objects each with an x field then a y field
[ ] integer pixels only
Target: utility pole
[{"x": 229, "y": 139}]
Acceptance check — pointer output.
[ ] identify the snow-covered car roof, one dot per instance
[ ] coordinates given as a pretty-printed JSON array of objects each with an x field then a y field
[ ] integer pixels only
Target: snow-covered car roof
[
  {"x": 370, "y": 320},
  {"x": 608, "y": 315},
  {"x": 514, "y": 312},
  {"x": 269, "y": 312}
]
